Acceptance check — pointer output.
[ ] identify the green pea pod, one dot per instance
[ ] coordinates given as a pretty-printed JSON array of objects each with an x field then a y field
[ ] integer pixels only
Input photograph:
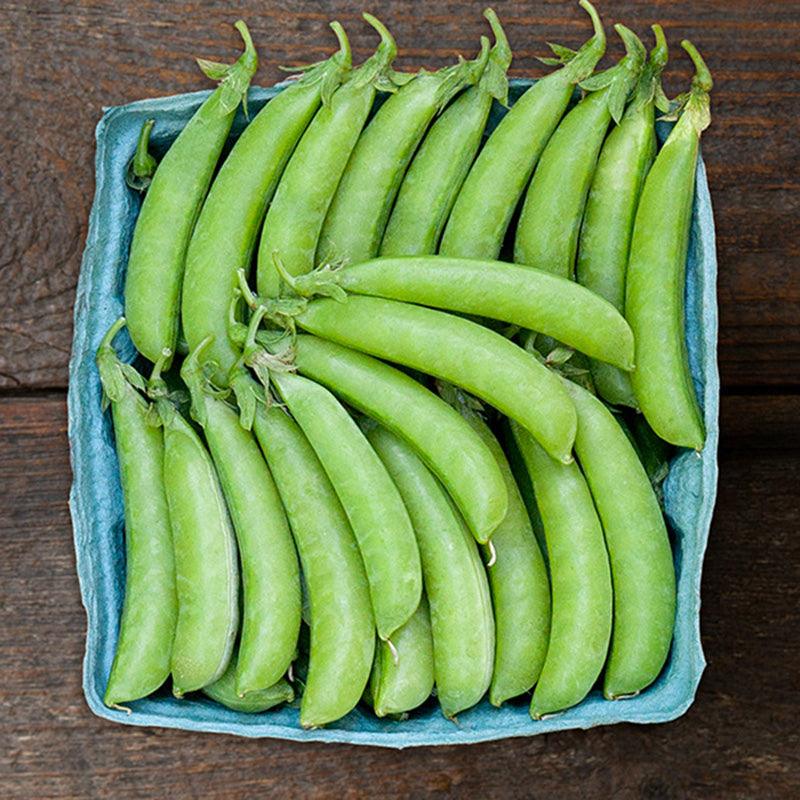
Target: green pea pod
[
  {"x": 520, "y": 589},
  {"x": 206, "y": 568},
  {"x": 228, "y": 225},
  {"x": 439, "y": 168},
  {"x": 341, "y": 621},
  {"x": 455, "y": 350},
  {"x": 149, "y": 611},
  {"x": 605, "y": 235},
  {"x": 270, "y": 573},
  {"x": 448, "y": 446},
  {"x": 487, "y": 200},
  {"x": 357, "y": 216},
  {"x": 378, "y": 517},
  {"x": 224, "y": 691},
  {"x": 642, "y": 570},
  {"x": 402, "y": 675},
  {"x": 580, "y": 577},
  {"x": 656, "y": 275},
  {"x": 522, "y": 296},
  {"x": 548, "y": 228},
  {"x": 462, "y": 625},
  {"x": 295, "y": 217},
  {"x": 171, "y": 206}
]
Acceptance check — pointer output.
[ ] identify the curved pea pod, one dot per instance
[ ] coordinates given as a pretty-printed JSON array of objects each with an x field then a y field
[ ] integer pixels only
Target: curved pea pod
[
  {"x": 402, "y": 675},
  {"x": 294, "y": 220},
  {"x": 224, "y": 691},
  {"x": 642, "y": 569},
  {"x": 548, "y": 228},
  {"x": 370, "y": 499},
  {"x": 150, "y": 609},
  {"x": 231, "y": 217},
  {"x": 656, "y": 275},
  {"x": 462, "y": 625},
  {"x": 206, "y": 568},
  {"x": 580, "y": 577},
  {"x": 520, "y": 590},
  {"x": 270, "y": 572},
  {"x": 447, "y": 445},
  {"x": 605, "y": 235},
  {"x": 341, "y": 620},
  {"x": 527, "y": 297},
  {"x": 357, "y": 216},
  {"x": 172, "y": 203},
  {"x": 488, "y": 198},
  {"x": 441, "y": 164},
  {"x": 458, "y": 351}
]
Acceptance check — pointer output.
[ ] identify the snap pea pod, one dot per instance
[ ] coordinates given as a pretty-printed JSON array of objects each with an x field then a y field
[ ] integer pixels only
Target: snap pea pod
[
  {"x": 442, "y": 162},
  {"x": 206, "y": 568},
  {"x": 605, "y": 235},
  {"x": 228, "y": 225},
  {"x": 376, "y": 168},
  {"x": 520, "y": 589},
  {"x": 378, "y": 518},
  {"x": 642, "y": 569},
  {"x": 294, "y": 220},
  {"x": 580, "y": 577},
  {"x": 462, "y": 625},
  {"x": 485, "y": 205},
  {"x": 270, "y": 572},
  {"x": 450, "y": 449},
  {"x": 402, "y": 676},
  {"x": 530, "y": 298},
  {"x": 548, "y": 228},
  {"x": 171, "y": 206},
  {"x": 458, "y": 351},
  {"x": 149, "y": 611},
  {"x": 656, "y": 276},
  {"x": 224, "y": 691},
  {"x": 341, "y": 621}
]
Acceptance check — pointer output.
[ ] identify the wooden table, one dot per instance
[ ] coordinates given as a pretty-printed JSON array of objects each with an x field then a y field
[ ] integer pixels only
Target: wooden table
[{"x": 61, "y": 63}]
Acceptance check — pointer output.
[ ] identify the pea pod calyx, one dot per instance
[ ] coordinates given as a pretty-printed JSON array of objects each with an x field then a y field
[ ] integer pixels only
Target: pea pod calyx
[
  {"x": 648, "y": 89},
  {"x": 115, "y": 375},
  {"x": 695, "y": 105},
  {"x": 494, "y": 80},
  {"x": 578, "y": 64}
]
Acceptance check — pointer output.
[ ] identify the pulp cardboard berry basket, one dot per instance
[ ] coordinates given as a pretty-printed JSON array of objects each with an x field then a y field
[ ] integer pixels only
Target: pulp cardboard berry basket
[{"x": 96, "y": 500}]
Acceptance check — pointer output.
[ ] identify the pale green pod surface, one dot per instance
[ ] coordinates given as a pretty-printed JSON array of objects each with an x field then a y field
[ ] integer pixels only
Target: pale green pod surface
[
  {"x": 449, "y": 447},
  {"x": 642, "y": 568},
  {"x": 520, "y": 590},
  {"x": 341, "y": 620},
  {"x": 223, "y": 690},
  {"x": 270, "y": 571},
  {"x": 455, "y": 581},
  {"x": 580, "y": 577},
  {"x": 369, "y": 497},
  {"x": 403, "y": 679},
  {"x": 171, "y": 205},
  {"x": 206, "y": 568},
  {"x": 150, "y": 609}
]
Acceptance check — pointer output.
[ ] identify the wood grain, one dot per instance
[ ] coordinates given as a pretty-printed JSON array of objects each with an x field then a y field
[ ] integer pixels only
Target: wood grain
[
  {"x": 64, "y": 61},
  {"x": 739, "y": 739}
]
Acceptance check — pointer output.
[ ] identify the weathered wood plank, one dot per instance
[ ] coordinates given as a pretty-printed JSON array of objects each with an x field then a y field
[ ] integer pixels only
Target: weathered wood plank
[
  {"x": 65, "y": 61},
  {"x": 739, "y": 740}
]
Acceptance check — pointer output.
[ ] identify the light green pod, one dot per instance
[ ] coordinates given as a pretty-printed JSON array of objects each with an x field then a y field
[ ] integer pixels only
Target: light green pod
[
  {"x": 580, "y": 577},
  {"x": 341, "y": 621},
  {"x": 642, "y": 569},
  {"x": 455, "y": 581},
  {"x": 172, "y": 203},
  {"x": 369, "y": 497},
  {"x": 402, "y": 675},
  {"x": 206, "y": 568},
  {"x": 224, "y": 691},
  {"x": 150, "y": 609}
]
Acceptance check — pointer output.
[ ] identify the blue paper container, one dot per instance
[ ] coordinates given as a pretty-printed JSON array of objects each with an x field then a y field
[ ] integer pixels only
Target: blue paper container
[{"x": 96, "y": 500}]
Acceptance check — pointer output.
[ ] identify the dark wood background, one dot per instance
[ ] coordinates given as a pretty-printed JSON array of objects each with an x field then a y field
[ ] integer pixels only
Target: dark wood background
[{"x": 61, "y": 62}]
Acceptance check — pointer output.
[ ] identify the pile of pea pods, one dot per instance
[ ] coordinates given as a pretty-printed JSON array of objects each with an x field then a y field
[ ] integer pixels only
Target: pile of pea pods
[{"x": 406, "y": 393}]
